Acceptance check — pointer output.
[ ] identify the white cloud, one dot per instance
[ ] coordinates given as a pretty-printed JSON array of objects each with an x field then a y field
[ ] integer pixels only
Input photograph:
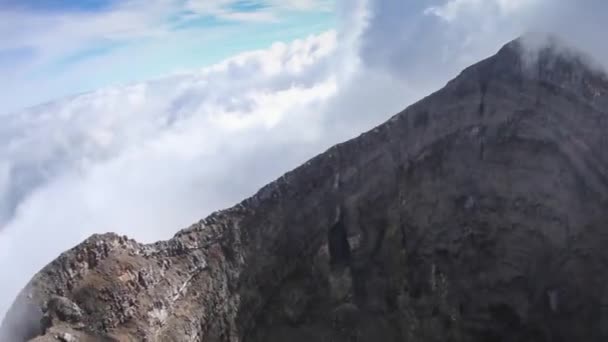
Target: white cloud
[
  {"x": 50, "y": 54},
  {"x": 454, "y": 9},
  {"x": 52, "y": 35},
  {"x": 56, "y": 34},
  {"x": 59, "y": 32},
  {"x": 223, "y": 8},
  {"x": 452, "y": 34}
]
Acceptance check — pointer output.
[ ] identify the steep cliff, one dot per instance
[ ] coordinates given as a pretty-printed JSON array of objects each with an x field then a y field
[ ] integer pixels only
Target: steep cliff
[{"x": 477, "y": 214}]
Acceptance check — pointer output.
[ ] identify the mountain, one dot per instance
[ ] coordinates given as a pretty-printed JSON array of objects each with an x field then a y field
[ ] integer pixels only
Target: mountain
[{"x": 476, "y": 214}]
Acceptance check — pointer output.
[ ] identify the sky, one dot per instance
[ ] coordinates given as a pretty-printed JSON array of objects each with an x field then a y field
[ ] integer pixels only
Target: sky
[
  {"x": 142, "y": 117},
  {"x": 55, "y": 48}
]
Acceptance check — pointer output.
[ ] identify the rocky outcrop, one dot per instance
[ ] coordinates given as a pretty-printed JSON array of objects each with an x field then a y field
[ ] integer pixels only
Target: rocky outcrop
[{"x": 477, "y": 214}]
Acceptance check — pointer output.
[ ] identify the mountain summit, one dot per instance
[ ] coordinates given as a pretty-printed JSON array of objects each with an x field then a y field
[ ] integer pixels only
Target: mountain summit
[{"x": 476, "y": 214}]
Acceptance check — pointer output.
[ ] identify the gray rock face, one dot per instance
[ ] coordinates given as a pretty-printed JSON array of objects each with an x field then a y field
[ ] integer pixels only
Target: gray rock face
[{"x": 477, "y": 214}]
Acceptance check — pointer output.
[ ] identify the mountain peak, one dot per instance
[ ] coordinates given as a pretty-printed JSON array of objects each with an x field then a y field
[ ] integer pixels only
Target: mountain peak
[
  {"x": 545, "y": 60},
  {"x": 551, "y": 54}
]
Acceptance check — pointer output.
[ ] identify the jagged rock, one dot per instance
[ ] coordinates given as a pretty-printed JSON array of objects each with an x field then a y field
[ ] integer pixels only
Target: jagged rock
[
  {"x": 63, "y": 309},
  {"x": 477, "y": 214},
  {"x": 66, "y": 337}
]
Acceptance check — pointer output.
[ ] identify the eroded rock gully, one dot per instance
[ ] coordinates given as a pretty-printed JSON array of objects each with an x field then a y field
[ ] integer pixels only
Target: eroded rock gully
[{"x": 477, "y": 214}]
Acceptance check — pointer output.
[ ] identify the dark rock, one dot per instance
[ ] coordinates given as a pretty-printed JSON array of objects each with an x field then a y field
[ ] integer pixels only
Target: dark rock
[{"x": 63, "y": 309}]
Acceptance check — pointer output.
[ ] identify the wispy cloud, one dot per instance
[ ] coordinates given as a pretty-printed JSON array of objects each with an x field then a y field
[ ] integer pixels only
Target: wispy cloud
[
  {"x": 35, "y": 38},
  {"x": 55, "y": 33}
]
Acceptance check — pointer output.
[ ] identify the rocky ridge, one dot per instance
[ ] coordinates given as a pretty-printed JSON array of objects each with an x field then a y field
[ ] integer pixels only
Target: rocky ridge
[{"x": 476, "y": 214}]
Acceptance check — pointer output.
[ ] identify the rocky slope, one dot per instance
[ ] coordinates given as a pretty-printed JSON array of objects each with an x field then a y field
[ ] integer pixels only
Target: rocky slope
[{"x": 477, "y": 214}]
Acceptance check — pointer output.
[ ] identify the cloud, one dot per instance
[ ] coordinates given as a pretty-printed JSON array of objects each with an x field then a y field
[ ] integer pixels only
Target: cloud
[
  {"x": 52, "y": 52},
  {"x": 454, "y": 9},
  {"x": 57, "y": 31},
  {"x": 431, "y": 41}
]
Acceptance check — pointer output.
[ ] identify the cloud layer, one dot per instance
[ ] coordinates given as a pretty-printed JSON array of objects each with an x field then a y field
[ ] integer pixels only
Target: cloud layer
[{"x": 150, "y": 158}]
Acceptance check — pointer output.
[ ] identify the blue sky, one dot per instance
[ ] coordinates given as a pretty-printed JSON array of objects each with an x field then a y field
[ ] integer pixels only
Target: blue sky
[
  {"x": 55, "y": 48},
  {"x": 59, "y": 5}
]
